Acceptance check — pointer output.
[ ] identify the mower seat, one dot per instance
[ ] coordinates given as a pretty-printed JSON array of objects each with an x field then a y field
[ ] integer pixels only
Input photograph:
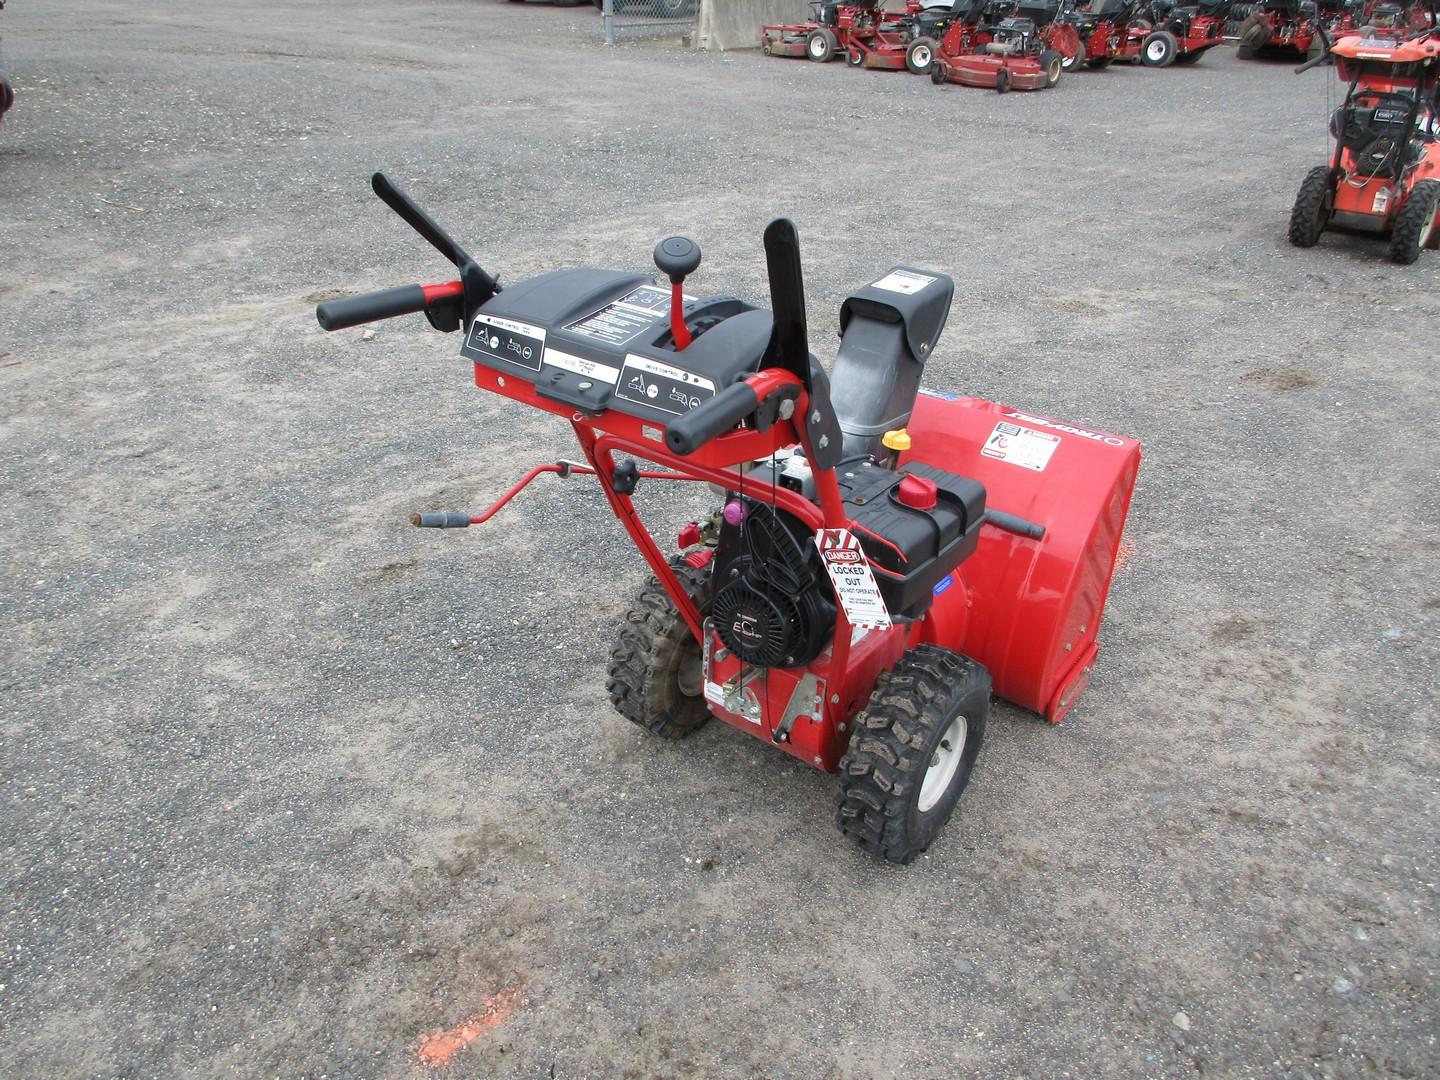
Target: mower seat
[
  {"x": 1110, "y": 10},
  {"x": 1039, "y": 12}
]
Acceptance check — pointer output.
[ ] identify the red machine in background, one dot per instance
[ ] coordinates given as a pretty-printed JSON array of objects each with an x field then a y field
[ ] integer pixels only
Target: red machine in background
[
  {"x": 882, "y": 555},
  {"x": 7, "y": 92},
  {"x": 1104, "y": 29},
  {"x": 835, "y": 28},
  {"x": 1277, "y": 27},
  {"x": 1015, "y": 46},
  {"x": 1384, "y": 174},
  {"x": 1169, "y": 33}
]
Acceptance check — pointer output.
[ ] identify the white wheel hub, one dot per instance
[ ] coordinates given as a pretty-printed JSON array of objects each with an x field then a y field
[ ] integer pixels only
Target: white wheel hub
[
  {"x": 1156, "y": 51},
  {"x": 921, "y": 56},
  {"x": 943, "y": 763}
]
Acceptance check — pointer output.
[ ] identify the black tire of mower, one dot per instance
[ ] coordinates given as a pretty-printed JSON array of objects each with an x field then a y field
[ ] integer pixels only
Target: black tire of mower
[
  {"x": 1253, "y": 35},
  {"x": 1099, "y": 63},
  {"x": 1171, "y": 47},
  {"x": 644, "y": 670},
  {"x": 923, "y": 46},
  {"x": 1073, "y": 63},
  {"x": 1002, "y": 81},
  {"x": 938, "y": 75},
  {"x": 822, "y": 54},
  {"x": 1310, "y": 214},
  {"x": 894, "y": 738},
  {"x": 1415, "y": 225},
  {"x": 1052, "y": 62}
]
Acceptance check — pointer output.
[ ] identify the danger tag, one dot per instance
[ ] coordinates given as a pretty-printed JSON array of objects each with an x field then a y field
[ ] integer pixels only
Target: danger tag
[{"x": 852, "y": 579}]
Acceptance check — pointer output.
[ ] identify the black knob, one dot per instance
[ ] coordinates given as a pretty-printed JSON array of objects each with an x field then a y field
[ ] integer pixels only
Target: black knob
[{"x": 677, "y": 257}]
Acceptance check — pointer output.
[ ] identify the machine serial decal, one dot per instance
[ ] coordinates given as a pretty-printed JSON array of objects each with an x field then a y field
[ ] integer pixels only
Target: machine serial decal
[
  {"x": 669, "y": 389},
  {"x": 903, "y": 281},
  {"x": 505, "y": 339},
  {"x": 1020, "y": 446},
  {"x": 580, "y": 366}
]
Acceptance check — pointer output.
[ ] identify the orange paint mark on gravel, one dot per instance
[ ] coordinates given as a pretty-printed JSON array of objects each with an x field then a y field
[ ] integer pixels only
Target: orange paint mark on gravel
[
  {"x": 438, "y": 1048},
  {"x": 1123, "y": 553}
]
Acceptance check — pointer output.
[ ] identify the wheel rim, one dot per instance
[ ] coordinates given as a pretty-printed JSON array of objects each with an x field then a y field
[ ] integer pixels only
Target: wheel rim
[
  {"x": 1155, "y": 51},
  {"x": 921, "y": 56},
  {"x": 943, "y": 763},
  {"x": 817, "y": 48},
  {"x": 1429, "y": 229},
  {"x": 1053, "y": 75},
  {"x": 690, "y": 674}
]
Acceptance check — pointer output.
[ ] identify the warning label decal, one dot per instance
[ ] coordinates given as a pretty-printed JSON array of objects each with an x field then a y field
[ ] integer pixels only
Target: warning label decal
[
  {"x": 853, "y": 580},
  {"x": 662, "y": 386},
  {"x": 902, "y": 281},
  {"x": 508, "y": 340},
  {"x": 1020, "y": 446},
  {"x": 617, "y": 323}
]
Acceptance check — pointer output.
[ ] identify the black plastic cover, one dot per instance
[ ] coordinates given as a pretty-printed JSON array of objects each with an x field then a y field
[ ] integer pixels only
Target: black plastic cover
[
  {"x": 919, "y": 299},
  {"x": 909, "y": 549},
  {"x": 600, "y": 339}
]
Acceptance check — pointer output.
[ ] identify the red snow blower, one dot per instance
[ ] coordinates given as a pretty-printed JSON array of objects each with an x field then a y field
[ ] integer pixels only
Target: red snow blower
[
  {"x": 1384, "y": 174},
  {"x": 882, "y": 555}
]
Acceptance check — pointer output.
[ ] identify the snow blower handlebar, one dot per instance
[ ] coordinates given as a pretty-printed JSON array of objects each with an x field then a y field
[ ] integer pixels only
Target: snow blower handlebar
[
  {"x": 367, "y": 307},
  {"x": 766, "y": 396},
  {"x": 448, "y": 305}
]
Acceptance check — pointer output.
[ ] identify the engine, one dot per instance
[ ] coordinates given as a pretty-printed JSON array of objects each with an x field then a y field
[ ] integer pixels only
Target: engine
[{"x": 774, "y": 606}]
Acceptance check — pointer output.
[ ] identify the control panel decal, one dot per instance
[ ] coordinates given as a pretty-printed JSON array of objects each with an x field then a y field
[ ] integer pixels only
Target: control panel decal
[
  {"x": 580, "y": 366},
  {"x": 662, "y": 386},
  {"x": 506, "y": 339}
]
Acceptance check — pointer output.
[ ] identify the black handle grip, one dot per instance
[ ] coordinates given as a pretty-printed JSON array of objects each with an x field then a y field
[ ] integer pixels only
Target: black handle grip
[
  {"x": 370, "y": 306},
  {"x": 686, "y": 434}
]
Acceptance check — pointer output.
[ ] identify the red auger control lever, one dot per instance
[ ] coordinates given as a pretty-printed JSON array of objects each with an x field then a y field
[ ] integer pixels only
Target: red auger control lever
[{"x": 676, "y": 258}]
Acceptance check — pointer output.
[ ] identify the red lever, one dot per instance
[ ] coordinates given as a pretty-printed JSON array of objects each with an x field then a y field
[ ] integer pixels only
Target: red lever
[{"x": 678, "y": 330}]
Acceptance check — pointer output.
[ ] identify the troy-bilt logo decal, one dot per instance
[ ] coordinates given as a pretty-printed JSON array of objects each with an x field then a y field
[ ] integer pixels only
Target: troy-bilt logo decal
[
  {"x": 1069, "y": 429},
  {"x": 852, "y": 579}
]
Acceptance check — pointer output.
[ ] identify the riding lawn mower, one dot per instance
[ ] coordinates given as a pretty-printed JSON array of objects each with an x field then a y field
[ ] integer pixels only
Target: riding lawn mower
[
  {"x": 1170, "y": 33},
  {"x": 1024, "y": 50},
  {"x": 1284, "y": 27},
  {"x": 837, "y": 29},
  {"x": 1104, "y": 29},
  {"x": 881, "y": 556},
  {"x": 1384, "y": 174}
]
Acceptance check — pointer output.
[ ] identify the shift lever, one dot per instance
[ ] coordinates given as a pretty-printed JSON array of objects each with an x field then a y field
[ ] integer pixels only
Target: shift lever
[{"x": 677, "y": 257}]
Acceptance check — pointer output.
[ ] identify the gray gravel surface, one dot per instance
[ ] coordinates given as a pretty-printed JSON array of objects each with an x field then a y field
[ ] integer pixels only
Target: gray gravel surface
[{"x": 288, "y": 784}]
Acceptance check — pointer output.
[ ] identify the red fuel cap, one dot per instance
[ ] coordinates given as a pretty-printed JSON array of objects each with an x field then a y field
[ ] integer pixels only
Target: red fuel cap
[{"x": 916, "y": 492}]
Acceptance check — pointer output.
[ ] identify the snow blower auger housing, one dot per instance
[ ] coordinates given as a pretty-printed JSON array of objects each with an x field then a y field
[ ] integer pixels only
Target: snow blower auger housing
[
  {"x": 1384, "y": 174},
  {"x": 883, "y": 555}
]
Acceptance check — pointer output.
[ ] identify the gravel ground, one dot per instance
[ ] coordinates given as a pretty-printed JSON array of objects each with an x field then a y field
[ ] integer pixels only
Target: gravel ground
[{"x": 288, "y": 785}]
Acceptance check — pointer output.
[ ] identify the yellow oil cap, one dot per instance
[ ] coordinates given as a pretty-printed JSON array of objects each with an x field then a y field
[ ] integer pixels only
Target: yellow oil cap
[{"x": 897, "y": 440}]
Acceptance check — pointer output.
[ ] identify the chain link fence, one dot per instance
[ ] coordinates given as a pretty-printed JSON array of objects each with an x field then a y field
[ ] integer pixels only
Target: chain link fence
[{"x": 626, "y": 20}]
